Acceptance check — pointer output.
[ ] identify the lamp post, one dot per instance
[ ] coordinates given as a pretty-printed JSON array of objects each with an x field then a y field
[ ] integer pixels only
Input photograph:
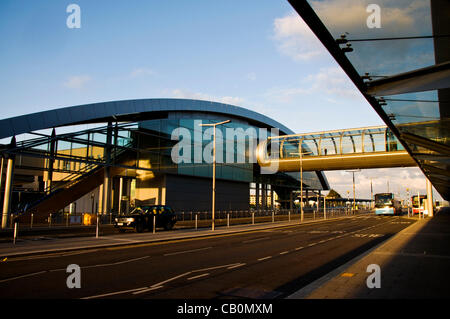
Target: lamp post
[
  {"x": 214, "y": 170},
  {"x": 301, "y": 178},
  {"x": 354, "y": 196}
]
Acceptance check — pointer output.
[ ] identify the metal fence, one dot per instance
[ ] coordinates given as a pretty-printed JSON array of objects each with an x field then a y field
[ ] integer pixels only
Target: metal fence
[{"x": 194, "y": 219}]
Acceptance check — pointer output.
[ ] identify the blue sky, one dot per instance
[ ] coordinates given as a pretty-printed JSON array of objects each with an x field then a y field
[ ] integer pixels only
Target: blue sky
[{"x": 255, "y": 53}]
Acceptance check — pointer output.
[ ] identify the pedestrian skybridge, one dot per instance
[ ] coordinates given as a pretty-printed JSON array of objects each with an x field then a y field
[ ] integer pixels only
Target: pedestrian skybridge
[{"x": 360, "y": 148}]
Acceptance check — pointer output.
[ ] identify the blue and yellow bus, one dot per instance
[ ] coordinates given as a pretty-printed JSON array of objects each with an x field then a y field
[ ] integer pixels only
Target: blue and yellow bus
[{"x": 387, "y": 204}]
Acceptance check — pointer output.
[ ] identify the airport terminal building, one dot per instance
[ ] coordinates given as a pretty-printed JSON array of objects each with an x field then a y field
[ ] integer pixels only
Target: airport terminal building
[{"x": 109, "y": 157}]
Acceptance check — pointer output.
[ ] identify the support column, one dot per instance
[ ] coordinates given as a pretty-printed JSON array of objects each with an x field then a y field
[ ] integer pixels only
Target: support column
[
  {"x": 429, "y": 198},
  {"x": 120, "y": 194},
  {"x": 51, "y": 162},
  {"x": 257, "y": 197},
  {"x": 8, "y": 186},
  {"x": 1, "y": 174},
  {"x": 307, "y": 198},
  {"x": 291, "y": 203},
  {"x": 272, "y": 199},
  {"x": 264, "y": 196},
  {"x": 107, "y": 177}
]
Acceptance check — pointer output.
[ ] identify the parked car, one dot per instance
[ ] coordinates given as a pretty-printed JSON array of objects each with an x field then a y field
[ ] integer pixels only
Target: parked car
[{"x": 141, "y": 218}]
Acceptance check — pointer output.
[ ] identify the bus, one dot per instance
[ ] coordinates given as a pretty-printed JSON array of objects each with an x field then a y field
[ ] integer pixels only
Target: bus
[
  {"x": 387, "y": 204},
  {"x": 418, "y": 206}
]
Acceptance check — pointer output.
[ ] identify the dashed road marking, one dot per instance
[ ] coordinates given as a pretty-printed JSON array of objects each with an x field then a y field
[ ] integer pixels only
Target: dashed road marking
[
  {"x": 198, "y": 276},
  {"x": 264, "y": 258}
]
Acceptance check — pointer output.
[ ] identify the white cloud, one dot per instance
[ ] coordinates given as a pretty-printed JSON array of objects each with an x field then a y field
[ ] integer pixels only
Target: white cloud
[
  {"x": 178, "y": 93},
  {"x": 295, "y": 39},
  {"x": 77, "y": 81},
  {"x": 330, "y": 82},
  {"x": 402, "y": 17}
]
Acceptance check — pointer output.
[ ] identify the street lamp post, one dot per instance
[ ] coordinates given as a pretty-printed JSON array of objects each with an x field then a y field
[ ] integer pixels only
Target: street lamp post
[
  {"x": 214, "y": 170},
  {"x": 301, "y": 179},
  {"x": 354, "y": 193}
]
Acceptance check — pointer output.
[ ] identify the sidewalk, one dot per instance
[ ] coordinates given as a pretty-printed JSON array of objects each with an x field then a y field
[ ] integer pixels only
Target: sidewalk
[
  {"x": 415, "y": 263},
  {"x": 26, "y": 247}
]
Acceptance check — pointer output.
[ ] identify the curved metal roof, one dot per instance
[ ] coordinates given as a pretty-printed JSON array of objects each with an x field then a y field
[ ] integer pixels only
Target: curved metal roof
[{"x": 125, "y": 110}]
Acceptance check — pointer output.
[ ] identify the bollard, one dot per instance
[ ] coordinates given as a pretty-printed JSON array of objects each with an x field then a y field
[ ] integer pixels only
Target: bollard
[
  {"x": 96, "y": 228},
  {"x": 154, "y": 224},
  {"x": 228, "y": 220},
  {"x": 273, "y": 217},
  {"x": 16, "y": 226},
  {"x": 50, "y": 221},
  {"x": 31, "y": 223},
  {"x": 253, "y": 218},
  {"x": 289, "y": 216},
  {"x": 196, "y": 221}
]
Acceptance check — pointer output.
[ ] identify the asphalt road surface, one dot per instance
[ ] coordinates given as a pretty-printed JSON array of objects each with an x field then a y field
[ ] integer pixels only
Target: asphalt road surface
[{"x": 271, "y": 263}]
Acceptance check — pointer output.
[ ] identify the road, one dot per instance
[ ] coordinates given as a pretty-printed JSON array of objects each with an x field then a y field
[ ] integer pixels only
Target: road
[{"x": 271, "y": 263}]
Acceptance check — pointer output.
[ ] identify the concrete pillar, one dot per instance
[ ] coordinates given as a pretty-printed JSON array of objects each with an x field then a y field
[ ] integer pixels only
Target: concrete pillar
[
  {"x": 1, "y": 174},
  {"x": 8, "y": 192},
  {"x": 51, "y": 161},
  {"x": 264, "y": 196},
  {"x": 272, "y": 199},
  {"x": 106, "y": 192},
  {"x": 291, "y": 202},
  {"x": 429, "y": 198},
  {"x": 120, "y": 195},
  {"x": 257, "y": 197},
  {"x": 107, "y": 177},
  {"x": 307, "y": 198}
]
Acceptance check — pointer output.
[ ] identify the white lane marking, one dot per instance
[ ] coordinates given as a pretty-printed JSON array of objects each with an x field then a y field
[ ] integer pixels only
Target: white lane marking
[
  {"x": 146, "y": 290},
  {"x": 104, "y": 265},
  {"x": 264, "y": 258},
  {"x": 55, "y": 255},
  {"x": 216, "y": 267},
  {"x": 283, "y": 252},
  {"x": 114, "y": 293},
  {"x": 24, "y": 276},
  {"x": 187, "y": 251},
  {"x": 116, "y": 263},
  {"x": 298, "y": 248},
  {"x": 170, "y": 279},
  {"x": 198, "y": 276},
  {"x": 236, "y": 266},
  {"x": 160, "y": 284}
]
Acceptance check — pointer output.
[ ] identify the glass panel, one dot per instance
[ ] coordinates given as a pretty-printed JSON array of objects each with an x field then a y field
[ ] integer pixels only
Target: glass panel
[
  {"x": 329, "y": 146},
  {"x": 290, "y": 147},
  {"x": 310, "y": 147},
  {"x": 348, "y": 145}
]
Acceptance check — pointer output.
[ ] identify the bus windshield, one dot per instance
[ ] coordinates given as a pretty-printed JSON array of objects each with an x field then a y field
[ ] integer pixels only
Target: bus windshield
[{"x": 382, "y": 200}]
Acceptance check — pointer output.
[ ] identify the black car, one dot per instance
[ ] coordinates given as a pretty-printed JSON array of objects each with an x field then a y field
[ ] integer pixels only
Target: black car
[{"x": 141, "y": 218}]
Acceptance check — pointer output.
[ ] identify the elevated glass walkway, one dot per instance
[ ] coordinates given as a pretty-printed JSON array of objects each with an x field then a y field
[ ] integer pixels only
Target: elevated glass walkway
[{"x": 359, "y": 148}]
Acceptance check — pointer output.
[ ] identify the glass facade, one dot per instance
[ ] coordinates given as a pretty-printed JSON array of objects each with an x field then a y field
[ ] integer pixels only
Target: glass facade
[
  {"x": 397, "y": 53},
  {"x": 235, "y": 144}
]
